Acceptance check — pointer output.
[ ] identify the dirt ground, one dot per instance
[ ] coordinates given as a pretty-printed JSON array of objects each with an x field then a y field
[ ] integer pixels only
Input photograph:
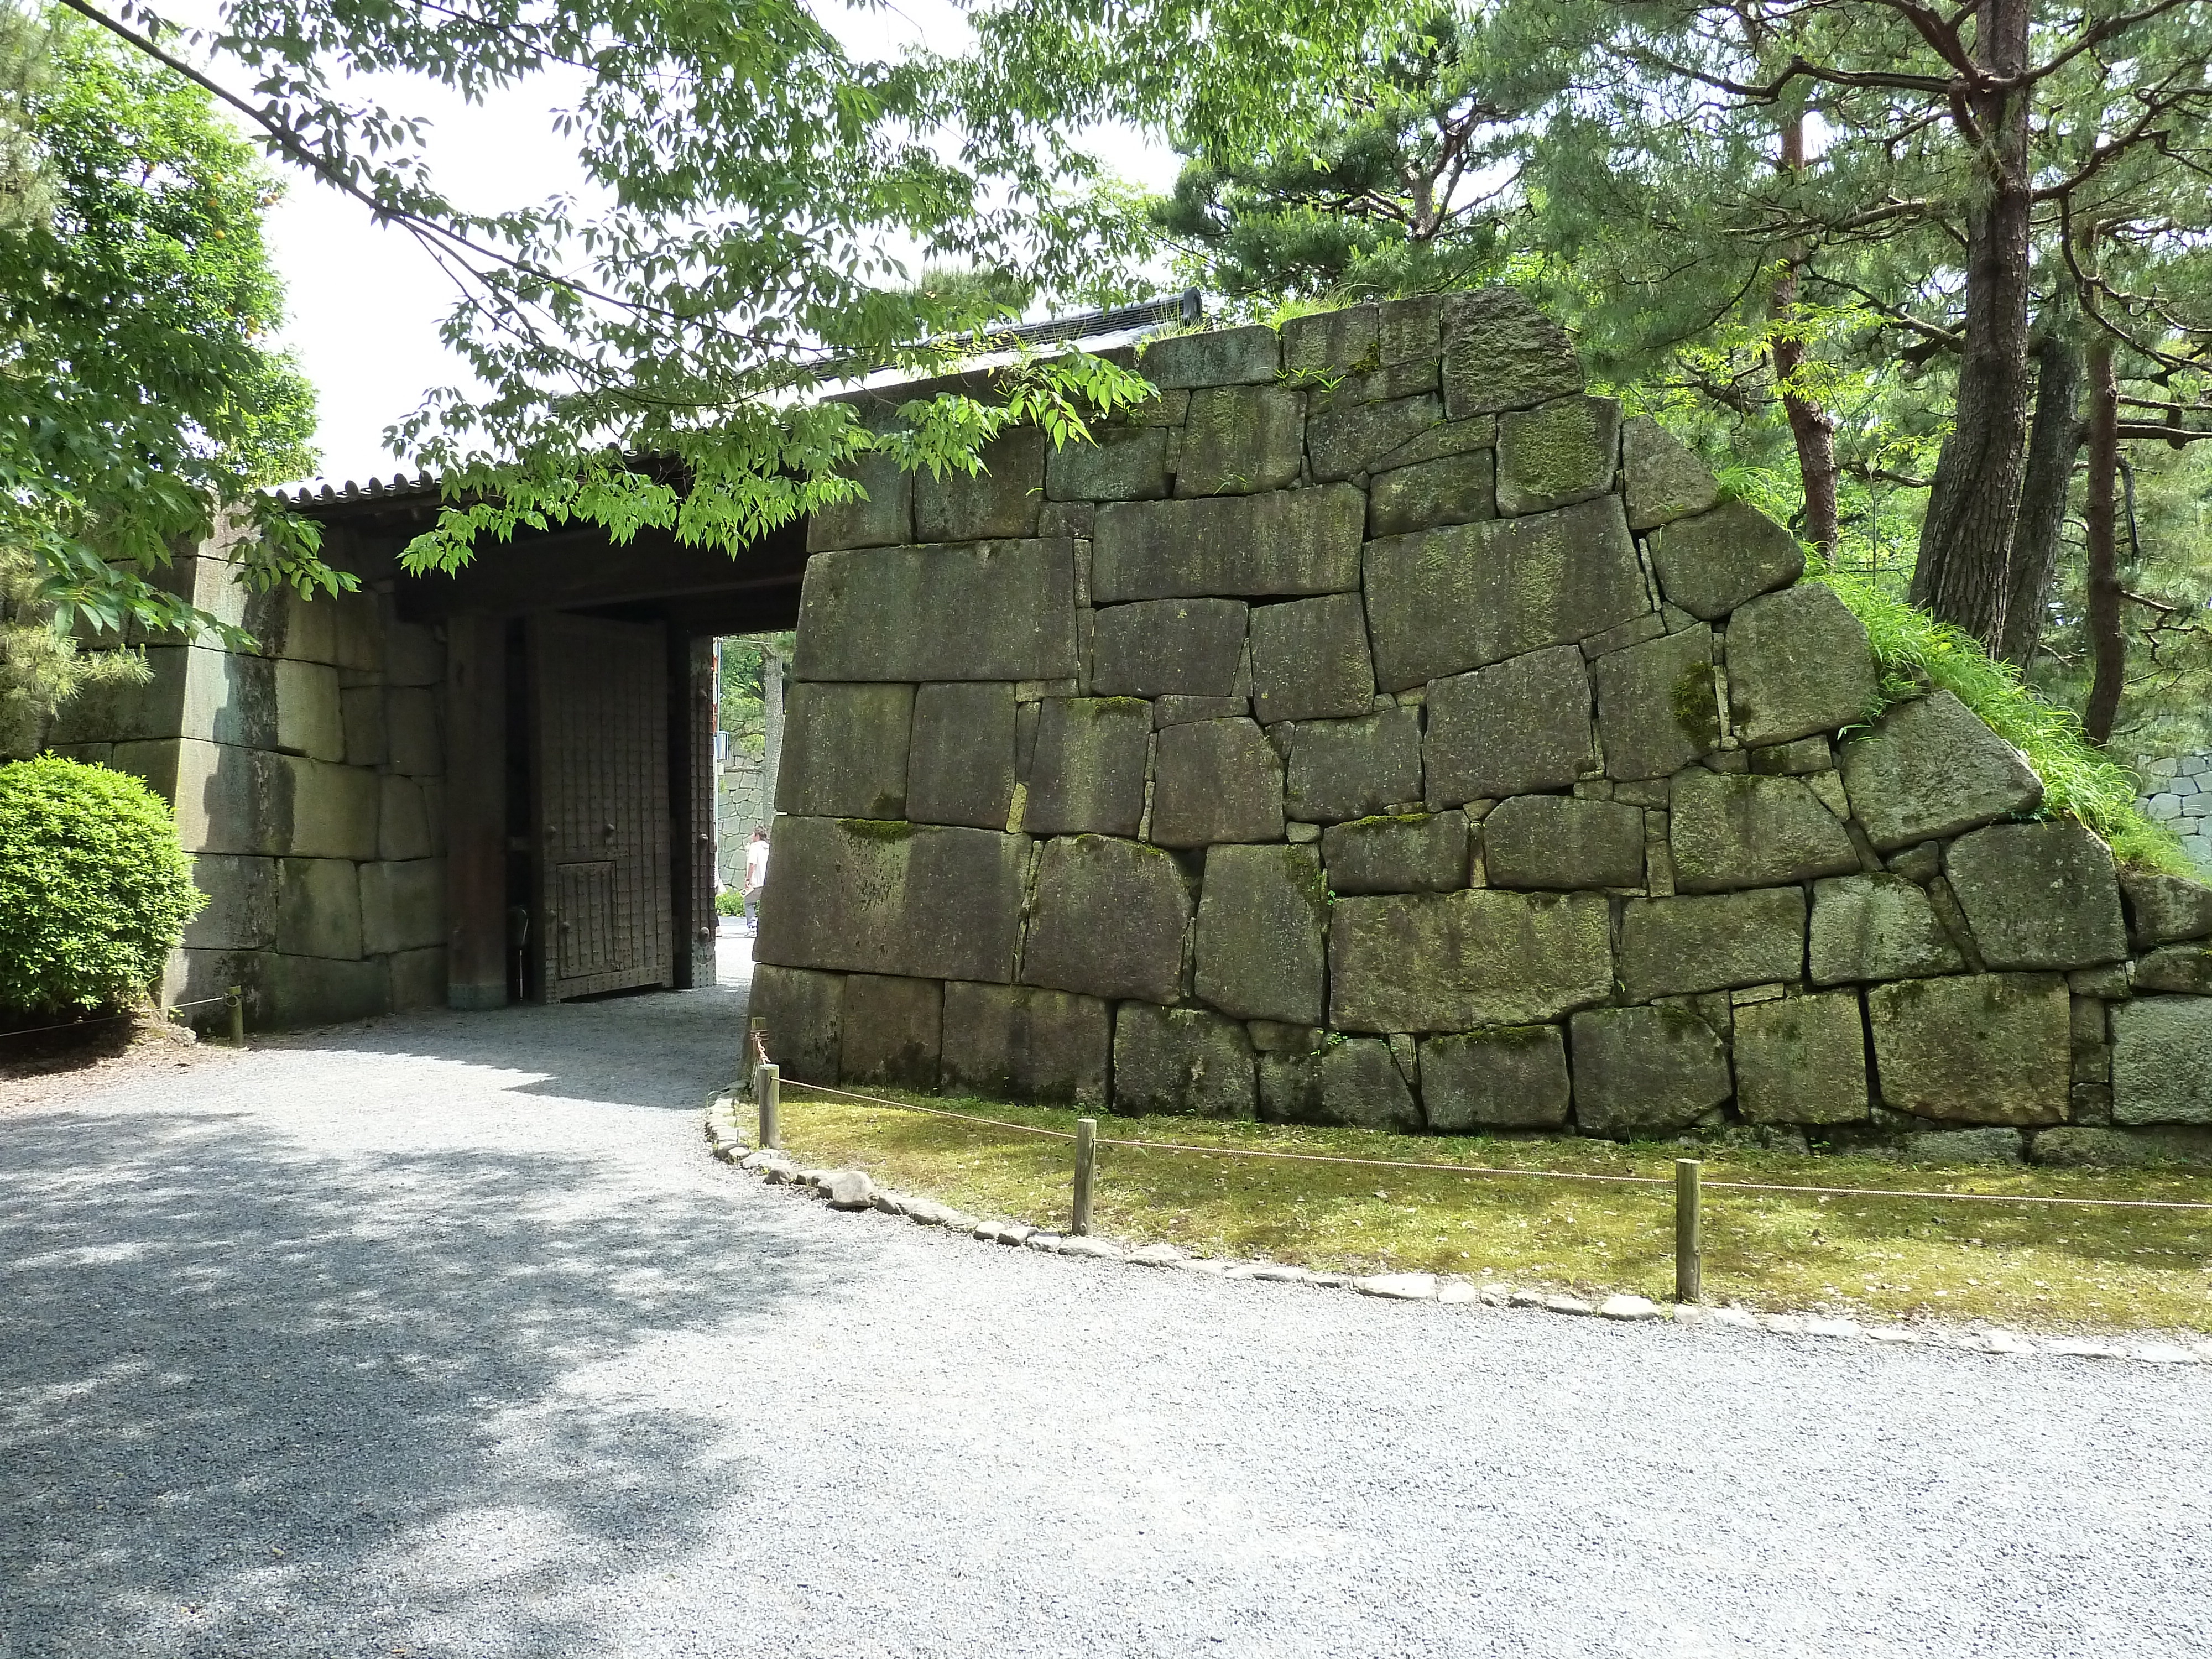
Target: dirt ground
[{"x": 49, "y": 1068}]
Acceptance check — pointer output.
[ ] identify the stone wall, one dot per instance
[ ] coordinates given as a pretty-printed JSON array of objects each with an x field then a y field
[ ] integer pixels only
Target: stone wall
[
  {"x": 2180, "y": 797},
  {"x": 1378, "y": 730},
  {"x": 308, "y": 782}
]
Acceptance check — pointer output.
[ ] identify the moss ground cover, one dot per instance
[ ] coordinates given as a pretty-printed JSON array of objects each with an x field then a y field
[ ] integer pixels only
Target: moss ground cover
[{"x": 2029, "y": 1266}]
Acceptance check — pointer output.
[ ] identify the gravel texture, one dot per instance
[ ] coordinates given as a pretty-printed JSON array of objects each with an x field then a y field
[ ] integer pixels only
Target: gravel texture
[{"x": 445, "y": 1337}]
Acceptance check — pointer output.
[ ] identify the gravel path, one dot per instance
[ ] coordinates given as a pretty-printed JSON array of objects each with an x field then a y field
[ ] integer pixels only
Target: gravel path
[{"x": 445, "y": 1337}]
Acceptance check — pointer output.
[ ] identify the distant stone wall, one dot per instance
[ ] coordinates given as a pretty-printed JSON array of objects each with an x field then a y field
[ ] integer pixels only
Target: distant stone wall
[
  {"x": 2180, "y": 797},
  {"x": 308, "y": 784},
  {"x": 1377, "y": 730}
]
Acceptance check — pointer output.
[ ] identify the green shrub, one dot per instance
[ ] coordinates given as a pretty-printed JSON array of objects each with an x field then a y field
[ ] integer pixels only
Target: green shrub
[
  {"x": 729, "y": 903},
  {"x": 94, "y": 889}
]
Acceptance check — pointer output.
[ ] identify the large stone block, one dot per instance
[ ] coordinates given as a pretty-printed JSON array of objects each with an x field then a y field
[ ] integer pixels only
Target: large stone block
[
  {"x": 1170, "y": 647},
  {"x": 1416, "y": 852},
  {"x": 418, "y": 978},
  {"x": 1682, "y": 946},
  {"x": 1328, "y": 344},
  {"x": 999, "y": 502},
  {"x": 1451, "y": 490},
  {"x": 1976, "y": 1048},
  {"x": 1119, "y": 463},
  {"x": 1712, "y": 563},
  {"x": 1341, "y": 769},
  {"x": 2038, "y": 895},
  {"x": 1731, "y": 830},
  {"x": 303, "y": 991},
  {"x": 1520, "y": 726},
  {"x": 889, "y": 1031},
  {"x": 1216, "y": 781},
  {"x": 1500, "y": 352},
  {"x": 1557, "y": 454},
  {"x": 1661, "y": 476},
  {"x": 2182, "y": 967},
  {"x": 1798, "y": 662},
  {"x": 286, "y": 622},
  {"x": 961, "y": 766},
  {"x": 360, "y": 709},
  {"x": 801, "y": 1012},
  {"x": 1512, "y": 1077},
  {"x": 1241, "y": 440},
  {"x": 411, "y": 731},
  {"x": 189, "y": 691},
  {"x": 987, "y": 610},
  {"x": 336, "y": 812},
  {"x": 2133, "y": 1148},
  {"x": 1181, "y": 1062},
  {"x": 359, "y": 625},
  {"x": 2162, "y": 907},
  {"x": 403, "y": 906},
  {"x": 318, "y": 908},
  {"x": 1802, "y": 1060},
  {"x": 1310, "y": 659},
  {"x": 1656, "y": 709},
  {"x": 226, "y": 799},
  {"x": 1454, "y": 439},
  {"x": 1087, "y": 771},
  {"x": 880, "y": 514},
  {"x": 1108, "y": 919},
  {"x": 1452, "y": 962},
  {"x": 1015, "y": 1042},
  {"x": 1262, "y": 927},
  {"x": 919, "y": 900},
  {"x": 1228, "y": 356},
  {"x": 1928, "y": 769},
  {"x": 2159, "y": 1069},
  {"x": 414, "y": 652},
  {"x": 241, "y": 914},
  {"x": 1288, "y": 542},
  {"x": 1876, "y": 928},
  {"x": 1354, "y": 1082},
  {"x": 1560, "y": 841},
  {"x": 1442, "y": 601},
  {"x": 1348, "y": 433},
  {"x": 402, "y": 820},
  {"x": 1645, "y": 1071},
  {"x": 845, "y": 750}
]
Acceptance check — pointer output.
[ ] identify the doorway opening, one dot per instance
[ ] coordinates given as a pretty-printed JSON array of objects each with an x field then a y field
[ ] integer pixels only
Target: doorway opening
[{"x": 751, "y": 676}]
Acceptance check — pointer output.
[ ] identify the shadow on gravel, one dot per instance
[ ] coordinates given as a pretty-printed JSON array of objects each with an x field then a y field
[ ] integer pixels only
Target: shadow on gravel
[{"x": 257, "y": 1400}]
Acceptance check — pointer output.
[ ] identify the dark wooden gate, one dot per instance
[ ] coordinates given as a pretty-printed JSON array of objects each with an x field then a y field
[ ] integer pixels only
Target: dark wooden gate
[{"x": 600, "y": 730}]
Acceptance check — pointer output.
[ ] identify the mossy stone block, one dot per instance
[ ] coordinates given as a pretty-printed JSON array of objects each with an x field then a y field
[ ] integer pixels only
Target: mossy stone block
[
  {"x": 1557, "y": 454},
  {"x": 1241, "y": 440},
  {"x": 1802, "y": 1060},
  {"x": 1662, "y": 476},
  {"x": 845, "y": 749},
  {"x": 1227, "y": 356},
  {"x": 1511, "y": 1077},
  {"x": 880, "y": 514},
  {"x": 1355, "y": 1082},
  {"x": 1641, "y": 1071},
  {"x": 1290, "y": 542},
  {"x": 1798, "y": 662},
  {"x": 1348, "y": 433},
  {"x": 2185, "y": 968},
  {"x": 1107, "y": 919},
  {"x": 1310, "y": 659},
  {"x": 1711, "y": 563},
  {"x": 1657, "y": 708},
  {"x": 1500, "y": 352},
  {"x": 1561, "y": 842},
  {"x": 1929, "y": 769},
  {"x": 1087, "y": 772},
  {"x": 1263, "y": 933},
  {"x": 1001, "y": 501},
  {"x": 1683, "y": 946},
  {"x": 2163, "y": 908},
  {"x": 1418, "y": 852},
  {"x": 1116, "y": 464},
  {"x": 1169, "y": 647},
  {"x": 1332, "y": 344},
  {"x": 803, "y": 1013},
  {"x": 403, "y": 906},
  {"x": 986, "y": 610},
  {"x": 1216, "y": 781},
  {"x": 889, "y": 1031},
  {"x": 241, "y": 914},
  {"x": 2160, "y": 1074},
  {"x": 1451, "y": 490},
  {"x": 2038, "y": 895},
  {"x": 1182, "y": 1062},
  {"x": 335, "y": 811},
  {"x": 1454, "y": 961},
  {"x": 1018, "y": 1043},
  {"x": 1730, "y": 829},
  {"x": 1351, "y": 768},
  {"x": 1974, "y": 1048},
  {"x": 1877, "y": 927},
  {"x": 1520, "y": 726},
  {"x": 318, "y": 908},
  {"x": 960, "y": 767}
]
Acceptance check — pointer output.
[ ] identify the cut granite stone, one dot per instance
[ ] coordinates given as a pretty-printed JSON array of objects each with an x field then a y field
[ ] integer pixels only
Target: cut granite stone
[
  {"x": 1018, "y": 1043},
  {"x": 1087, "y": 771},
  {"x": 1329, "y": 344},
  {"x": 2038, "y": 895},
  {"x": 1447, "y": 438},
  {"x": 1241, "y": 440},
  {"x": 1712, "y": 563},
  {"x": 920, "y": 901},
  {"x": 1731, "y": 830},
  {"x": 1662, "y": 476},
  {"x": 1458, "y": 488},
  {"x": 1179, "y": 647},
  {"x": 845, "y": 750},
  {"x": 1108, "y": 918},
  {"x": 1559, "y": 842},
  {"x": 1684, "y": 946},
  {"x": 403, "y": 818},
  {"x": 960, "y": 767},
  {"x": 1929, "y": 769},
  {"x": 1182, "y": 711},
  {"x": 1656, "y": 709},
  {"x": 1347, "y": 433},
  {"x": 1215, "y": 780},
  {"x": 1228, "y": 356},
  {"x": 1454, "y": 961},
  {"x": 1355, "y": 1082},
  {"x": 1310, "y": 659},
  {"x": 1419, "y": 853},
  {"x": 1641, "y": 1071},
  {"x": 1000, "y": 501},
  {"x": 1446, "y": 600},
  {"x": 1182, "y": 1062},
  {"x": 889, "y": 1030},
  {"x": 2160, "y": 1073},
  {"x": 2184, "y": 969},
  {"x": 1803, "y": 758},
  {"x": 1289, "y": 541},
  {"x": 1511, "y": 1077},
  {"x": 801, "y": 1013},
  {"x": 986, "y": 610},
  {"x": 2140, "y": 1148},
  {"x": 1500, "y": 352},
  {"x": 1353, "y": 769},
  {"x": 1119, "y": 464},
  {"x": 403, "y": 906},
  {"x": 318, "y": 908},
  {"x": 1262, "y": 927},
  {"x": 1872, "y": 928},
  {"x": 1802, "y": 1060},
  {"x": 882, "y": 515},
  {"x": 1557, "y": 454},
  {"x": 2163, "y": 908},
  {"x": 242, "y": 909},
  {"x": 1798, "y": 663},
  {"x": 1522, "y": 724},
  {"x": 1976, "y": 1048},
  {"x": 1957, "y": 1146}
]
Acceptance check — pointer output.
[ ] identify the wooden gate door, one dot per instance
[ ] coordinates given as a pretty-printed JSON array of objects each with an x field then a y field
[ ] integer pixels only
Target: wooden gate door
[{"x": 600, "y": 731}]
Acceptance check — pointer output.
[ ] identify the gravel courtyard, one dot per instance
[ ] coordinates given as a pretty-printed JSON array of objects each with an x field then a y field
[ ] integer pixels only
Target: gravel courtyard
[{"x": 445, "y": 1337}]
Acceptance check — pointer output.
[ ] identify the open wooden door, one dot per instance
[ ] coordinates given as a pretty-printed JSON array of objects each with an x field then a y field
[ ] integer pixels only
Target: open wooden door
[{"x": 600, "y": 733}]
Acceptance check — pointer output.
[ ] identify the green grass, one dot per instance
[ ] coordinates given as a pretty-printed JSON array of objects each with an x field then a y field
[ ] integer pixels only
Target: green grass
[{"x": 2029, "y": 1266}]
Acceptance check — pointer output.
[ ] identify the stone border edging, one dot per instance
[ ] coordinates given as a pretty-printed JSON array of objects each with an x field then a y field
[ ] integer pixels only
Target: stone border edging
[{"x": 853, "y": 1190}]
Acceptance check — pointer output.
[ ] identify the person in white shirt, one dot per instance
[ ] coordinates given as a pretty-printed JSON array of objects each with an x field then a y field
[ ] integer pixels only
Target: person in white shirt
[{"x": 756, "y": 878}]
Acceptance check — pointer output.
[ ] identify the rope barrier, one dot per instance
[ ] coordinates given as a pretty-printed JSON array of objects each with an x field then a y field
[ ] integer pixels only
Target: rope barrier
[{"x": 107, "y": 1020}]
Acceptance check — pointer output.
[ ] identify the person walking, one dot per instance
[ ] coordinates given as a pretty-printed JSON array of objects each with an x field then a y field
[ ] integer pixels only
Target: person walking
[{"x": 756, "y": 878}]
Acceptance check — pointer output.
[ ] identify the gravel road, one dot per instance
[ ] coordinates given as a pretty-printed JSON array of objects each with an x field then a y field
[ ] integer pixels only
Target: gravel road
[{"x": 444, "y": 1337}]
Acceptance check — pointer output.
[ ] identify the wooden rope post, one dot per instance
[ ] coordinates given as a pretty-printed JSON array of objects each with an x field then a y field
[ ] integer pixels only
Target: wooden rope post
[
  {"x": 767, "y": 1094},
  {"x": 1689, "y": 1218},
  {"x": 756, "y": 1046},
  {"x": 235, "y": 998},
  {"x": 1086, "y": 1161}
]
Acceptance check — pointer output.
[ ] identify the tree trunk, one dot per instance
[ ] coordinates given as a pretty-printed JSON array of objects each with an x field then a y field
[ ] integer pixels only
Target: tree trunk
[
  {"x": 1963, "y": 575},
  {"x": 1812, "y": 426},
  {"x": 2052, "y": 447},
  {"x": 2107, "y": 650}
]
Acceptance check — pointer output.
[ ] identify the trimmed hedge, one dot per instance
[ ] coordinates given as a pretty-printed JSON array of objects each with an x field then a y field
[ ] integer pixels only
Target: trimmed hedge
[{"x": 94, "y": 889}]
